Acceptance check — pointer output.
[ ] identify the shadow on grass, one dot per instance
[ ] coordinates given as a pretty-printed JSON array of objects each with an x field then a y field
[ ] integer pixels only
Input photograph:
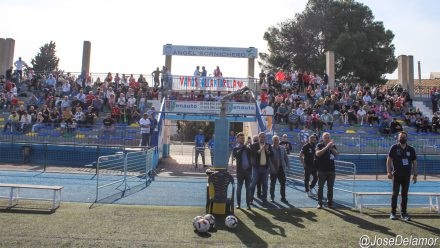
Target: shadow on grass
[
  {"x": 122, "y": 193},
  {"x": 247, "y": 236},
  {"x": 203, "y": 235},
  {"x": 349, "y": 217},
  {"x": 380, "y": 214},
  {"x": 293, "y": 216},
  {"x": 263, "y": 223}
]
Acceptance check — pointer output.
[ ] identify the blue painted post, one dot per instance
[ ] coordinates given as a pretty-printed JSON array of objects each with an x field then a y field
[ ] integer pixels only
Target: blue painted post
[{"x": 221, "y": 145}]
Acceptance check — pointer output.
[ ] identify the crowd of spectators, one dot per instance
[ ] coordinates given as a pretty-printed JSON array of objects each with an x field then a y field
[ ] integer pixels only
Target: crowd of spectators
[
  {"x": 304, "y": 99},
  {"x": 68, "y": 101}
]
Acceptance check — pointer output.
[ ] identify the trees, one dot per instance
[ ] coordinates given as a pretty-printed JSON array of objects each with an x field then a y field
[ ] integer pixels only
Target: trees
[
  {"x": 363, "y": 48},
  {"x": 46, "y": 60}
]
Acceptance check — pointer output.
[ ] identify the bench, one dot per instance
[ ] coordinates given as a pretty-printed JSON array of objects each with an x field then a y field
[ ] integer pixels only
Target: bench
[
  {"x": 359, "y": 204},
  {"x": 15, "y": 190}
]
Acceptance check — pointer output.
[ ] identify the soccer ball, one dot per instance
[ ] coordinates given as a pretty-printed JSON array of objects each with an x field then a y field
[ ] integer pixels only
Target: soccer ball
[
  {"x": 202, "y": 225},
  {"x": 197, "y": 218},
  {"x": 211, "y": 219},
  {"x": 231, "y": 221}
]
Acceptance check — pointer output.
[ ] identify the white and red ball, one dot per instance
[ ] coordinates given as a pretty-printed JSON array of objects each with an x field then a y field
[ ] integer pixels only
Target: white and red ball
[
  {"x": 194, "y": 221},
  {"x": 202, "y": 226}
]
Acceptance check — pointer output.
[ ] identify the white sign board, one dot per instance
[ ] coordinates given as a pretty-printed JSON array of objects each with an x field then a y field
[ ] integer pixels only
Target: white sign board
[
  {"x": 229, "y": 52},
  {"x": 205, "y": 107}
]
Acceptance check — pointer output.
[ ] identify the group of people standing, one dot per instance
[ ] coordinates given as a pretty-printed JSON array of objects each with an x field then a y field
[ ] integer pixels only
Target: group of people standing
[
  {"x": 256, "y": 163},
  {"x": 319, "y": 163}
]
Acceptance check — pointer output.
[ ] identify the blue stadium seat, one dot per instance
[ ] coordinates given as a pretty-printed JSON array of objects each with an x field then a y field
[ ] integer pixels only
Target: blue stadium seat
[
  {"x": 56, "y": 134},
  {"x": 350, "y": 144},
  {"x": 84, "y": 129}
]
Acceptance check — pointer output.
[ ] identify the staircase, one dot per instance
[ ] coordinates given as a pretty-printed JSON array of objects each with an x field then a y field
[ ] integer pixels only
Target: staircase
[{"x": 424, "y": 108}]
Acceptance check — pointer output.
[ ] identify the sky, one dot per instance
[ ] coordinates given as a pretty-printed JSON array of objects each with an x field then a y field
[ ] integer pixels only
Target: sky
[{"x": 128, "y": 36}]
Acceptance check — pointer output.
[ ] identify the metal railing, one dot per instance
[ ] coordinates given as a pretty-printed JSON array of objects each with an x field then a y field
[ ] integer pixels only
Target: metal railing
[
  {"x": 46, "y": 154},
  {"x": 422, "y": 91},
  {"x": 96, "y": 135},
  {"x": 120, "y": 172},
  {"x": 345, "y": 177},
  {"x": 372, "y": 143}
]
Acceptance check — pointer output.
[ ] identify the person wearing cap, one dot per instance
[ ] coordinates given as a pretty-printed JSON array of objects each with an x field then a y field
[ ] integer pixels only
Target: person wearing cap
[{"x": 145, "y": 123}]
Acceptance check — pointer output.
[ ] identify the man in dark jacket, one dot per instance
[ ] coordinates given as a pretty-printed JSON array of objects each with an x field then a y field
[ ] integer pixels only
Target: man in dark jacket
[
  {"x": 262, "y": 152},
  {"x": 242, "y": 155}
]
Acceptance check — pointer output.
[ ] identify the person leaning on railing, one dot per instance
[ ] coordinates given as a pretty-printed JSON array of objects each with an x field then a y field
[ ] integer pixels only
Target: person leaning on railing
[{"x": 12, "y": 122}]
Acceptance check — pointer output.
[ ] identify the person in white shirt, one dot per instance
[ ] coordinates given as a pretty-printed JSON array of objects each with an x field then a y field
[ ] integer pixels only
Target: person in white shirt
[
  {"x": 361, "y": 114},
  {"x": 197, "y": 72},
  {"x": 19, "y": 64},
  {"x": 145, "y": 123},
  {"x": 25, "y": 122},
  {"x": 131, "y": 102},
  {"x": 121, "y": 100},
  {"x": 79, "y": 116}
]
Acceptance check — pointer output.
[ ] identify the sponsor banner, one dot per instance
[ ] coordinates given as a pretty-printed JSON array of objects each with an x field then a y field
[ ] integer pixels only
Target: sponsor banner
[
  {"x": 204, "y": 107},
  {"x": 208, "y": 83},
  {"x": 206, "y": 51}
]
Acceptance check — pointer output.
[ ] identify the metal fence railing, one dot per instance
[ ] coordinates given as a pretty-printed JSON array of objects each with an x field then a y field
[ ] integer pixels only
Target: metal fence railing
[
  {"x": 115, "y": 174},
  {"x": 97, "y": 134},
  {"x": 373, "y": 144},
  {"x": 56, "y": 154},
  {"x": 422, "y": 91},
  {"x": 345, "y": 178}
]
